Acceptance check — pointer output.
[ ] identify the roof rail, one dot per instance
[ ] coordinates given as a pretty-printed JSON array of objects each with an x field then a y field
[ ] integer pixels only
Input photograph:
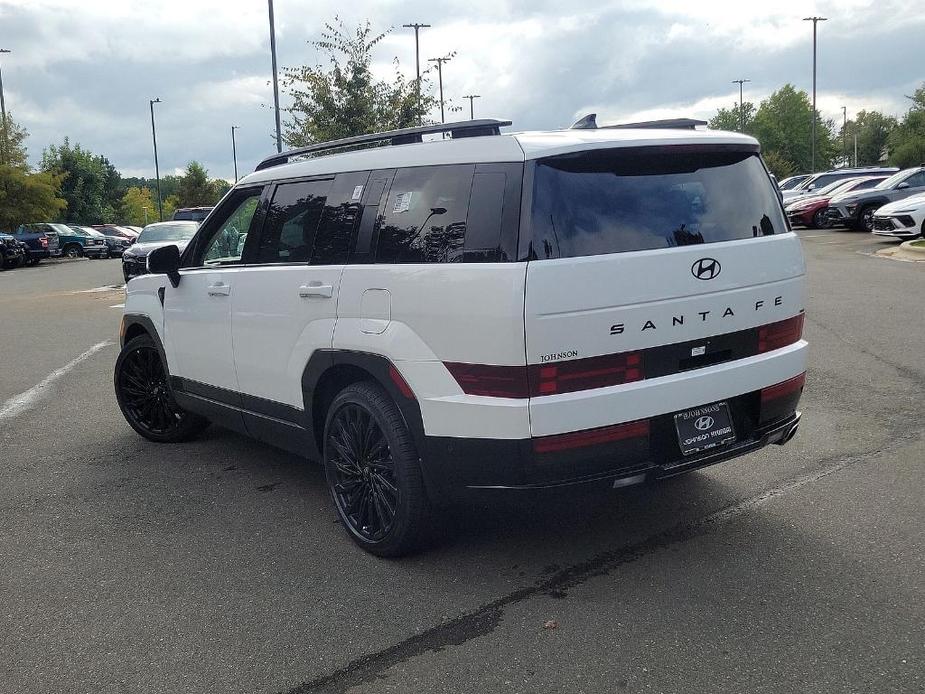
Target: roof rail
[{"x": 404, "y": 136}]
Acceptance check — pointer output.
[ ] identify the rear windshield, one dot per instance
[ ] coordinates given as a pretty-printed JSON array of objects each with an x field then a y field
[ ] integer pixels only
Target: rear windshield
[{"x": 612, "y": 201}]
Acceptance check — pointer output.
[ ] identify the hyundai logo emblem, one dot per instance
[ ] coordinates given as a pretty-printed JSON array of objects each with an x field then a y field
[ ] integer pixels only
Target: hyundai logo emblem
[
  {"x": 703, "y": 423},
  {"x": 706, "y": 268}
]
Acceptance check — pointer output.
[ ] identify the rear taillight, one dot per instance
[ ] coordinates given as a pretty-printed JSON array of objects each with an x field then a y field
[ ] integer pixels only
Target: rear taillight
[
  {"x": 776, "y": 335},
  {"x": 784, "y": 388},
  {"x": 44, "y": 241},
  {"x": 591, "y": 437},
  {"x": 585, "y": 374},
  {"x": 493, "y": 381}
]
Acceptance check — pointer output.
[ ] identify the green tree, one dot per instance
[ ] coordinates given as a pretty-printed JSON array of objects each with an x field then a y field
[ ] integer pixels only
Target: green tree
[
  {"x": 873, "y": 131},
  {"x": 195, "y": 188},
  {"x": 13, "y": 144},
  {"x": 907, "y": 141},
  {"x": 138, "y": 206},
  {"x": 783, "y": 125},
  {"x": 778, "y": 165},
  {"x": 91, "y": 187},
  {"x": 28, "y": 197},
  {"x": 729, "y": 118},
  {"x": 344, "y": 99}
]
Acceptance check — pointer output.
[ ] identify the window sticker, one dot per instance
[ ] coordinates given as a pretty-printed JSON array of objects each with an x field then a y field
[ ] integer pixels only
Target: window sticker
[
  {"x": 357, "y": 193},
  {"x": 402, "y": 203}
]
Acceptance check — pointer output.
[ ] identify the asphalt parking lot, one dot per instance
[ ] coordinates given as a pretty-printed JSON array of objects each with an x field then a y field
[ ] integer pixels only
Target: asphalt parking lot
[{"x": 217, "y": 565}]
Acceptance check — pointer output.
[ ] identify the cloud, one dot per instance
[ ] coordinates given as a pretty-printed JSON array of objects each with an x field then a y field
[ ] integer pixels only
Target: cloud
[{"x": 87, "y": 70}]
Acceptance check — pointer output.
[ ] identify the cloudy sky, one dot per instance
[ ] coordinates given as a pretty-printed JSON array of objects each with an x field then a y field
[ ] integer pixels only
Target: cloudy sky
[{"x": 86, "y": 68}]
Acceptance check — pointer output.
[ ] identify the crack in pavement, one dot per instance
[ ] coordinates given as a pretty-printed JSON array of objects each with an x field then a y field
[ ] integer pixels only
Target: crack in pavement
[{"x": 484, "y": 619}]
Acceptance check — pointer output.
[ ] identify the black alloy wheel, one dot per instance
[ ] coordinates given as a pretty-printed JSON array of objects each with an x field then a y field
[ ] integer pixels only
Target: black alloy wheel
[
  {"x": 866, "y": 218},
  {"x": 372, "y": 471},
  {"x": 144, "y": 395},
  {"x": 821, "y": 219}
]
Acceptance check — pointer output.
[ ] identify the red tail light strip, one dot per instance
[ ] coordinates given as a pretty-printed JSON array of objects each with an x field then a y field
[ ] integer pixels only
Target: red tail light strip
[
  {"x": 591, "y": 437},
  {"x": 776, "y": 335},
  {"x": 784, "y": 388},
  {"x": 592, "y": 372}
]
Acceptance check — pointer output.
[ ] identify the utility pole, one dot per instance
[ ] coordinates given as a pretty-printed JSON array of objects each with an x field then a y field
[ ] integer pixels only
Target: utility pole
[
  {"x": 417, "y": 62},
  {"x": 470, "y": 97},
  {"x": 855, "y": 149},
  {"x": 145, "y": 209},
  {"x": 741, "y": 111},
  {"x": 815, "y": 20},
  {"x": 279, "y": 136},
  {"x": 440, "y": 62},
  {"x": 157, "y": 171},
  {"x": 844, "y": 133},
  {"x": 4, "y": 142},
  {"x": 234, "y": 151}
]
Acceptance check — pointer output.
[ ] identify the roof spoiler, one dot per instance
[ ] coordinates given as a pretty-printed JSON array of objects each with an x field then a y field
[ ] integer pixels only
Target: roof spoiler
[{"x": 589, "y": 122}]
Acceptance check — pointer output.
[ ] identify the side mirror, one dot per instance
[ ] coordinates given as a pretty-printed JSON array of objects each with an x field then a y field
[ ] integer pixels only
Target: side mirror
[
  {"x": 812, "y": 186},
  {"x": 165, "y": 261},
  {"x": 902, "y": 186}
]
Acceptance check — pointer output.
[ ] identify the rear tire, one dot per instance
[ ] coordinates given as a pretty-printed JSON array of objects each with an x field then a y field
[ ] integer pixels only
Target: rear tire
[
  {"x": 73, "y": 251},
  {"x": 373, "y": 473},
  {"x": 145, "y": 398}
]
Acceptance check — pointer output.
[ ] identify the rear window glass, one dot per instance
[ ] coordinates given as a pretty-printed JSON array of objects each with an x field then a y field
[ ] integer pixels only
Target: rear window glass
[{"x": 615, "y": 201}]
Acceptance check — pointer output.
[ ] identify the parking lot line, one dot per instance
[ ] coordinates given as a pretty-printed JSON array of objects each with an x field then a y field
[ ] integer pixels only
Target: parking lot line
[{"x": 28, "y": 399}]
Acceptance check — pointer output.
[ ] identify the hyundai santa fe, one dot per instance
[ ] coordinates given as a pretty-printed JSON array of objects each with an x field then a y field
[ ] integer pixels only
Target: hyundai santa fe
[{"x": 484, "y": 311}]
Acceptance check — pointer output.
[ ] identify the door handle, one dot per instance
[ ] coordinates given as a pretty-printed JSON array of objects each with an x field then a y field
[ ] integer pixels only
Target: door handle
[
  {"x": 324, "y": 291},
  {"x": 219, "y": 289}
]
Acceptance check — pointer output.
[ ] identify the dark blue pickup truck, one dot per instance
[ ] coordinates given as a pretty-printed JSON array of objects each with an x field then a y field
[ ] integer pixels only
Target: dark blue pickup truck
[{"x": 42, "y": 240}]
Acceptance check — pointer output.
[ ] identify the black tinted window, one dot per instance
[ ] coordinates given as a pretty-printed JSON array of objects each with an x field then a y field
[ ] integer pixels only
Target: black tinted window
[
  {"x": 424, "y": 220},
  {"x": 336, "y": 234},
  {"x": 292, "y": 222},
  {"x": 916, "y": 180},
  {"x": 635, "y": 199}
]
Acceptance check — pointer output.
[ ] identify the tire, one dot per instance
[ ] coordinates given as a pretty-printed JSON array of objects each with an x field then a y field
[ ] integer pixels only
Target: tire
[
  {"x": 73, "y": 251},
  {"x": 363, "y": 422},
  {"x": 866, "y": 218},
  {"x": 820, "y": 219},
  {"x": 143, "y": 393},
  {"x": 3, "y": 262}
]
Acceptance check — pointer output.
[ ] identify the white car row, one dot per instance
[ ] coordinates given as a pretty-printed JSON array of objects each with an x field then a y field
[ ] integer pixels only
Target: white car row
[{"x": 901, "y": 219}]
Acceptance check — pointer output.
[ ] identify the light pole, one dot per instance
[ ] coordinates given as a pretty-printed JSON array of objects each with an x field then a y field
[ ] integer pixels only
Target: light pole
[
  {"x": 844, "y": 133},
  {"x": 234, "y": 151},
  {"x": 145, "y": 209},
  {"x": 279, "y": 136},
  {"x": 470, "y": 97},
  {"x": 815, "y": 21},
  {"x": 3, "y": 143},
  {"x": 741, "y": 105},
  {"x": 157, "y": 171},
  {"x": 440, "y": 62},
  {"x": 417, "y": 61}
]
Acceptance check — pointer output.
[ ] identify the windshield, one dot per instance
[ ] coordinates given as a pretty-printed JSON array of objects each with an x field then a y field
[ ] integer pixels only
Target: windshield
[
  {"x": 792, "y": 182},
  {"x": 893, "y": 180},
  {"x": 611, "y": 201},
  {"x": 167, "y": 232}
]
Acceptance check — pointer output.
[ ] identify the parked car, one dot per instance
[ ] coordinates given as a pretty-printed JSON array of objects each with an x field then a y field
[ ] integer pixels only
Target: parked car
[
  {"x": 134, "y": 259},
  {"x": 857, "y": 209},
  {"x": 812, "y": 211},
  {"x": 41, "y": 239},
  {"x": 820, "y": 180},
  {"x": 100, "y": 237},
  {"x": 478, "y": 312},
  {"x": 119, "y": 239},
  {"x": 130, "y": 227},
  {"x": 191, "y": 214},
  {"x": 793, "y": 181},
  {"x": 903, "y": 219},
  {"x": 13, "y": 252},
  {"x": 78, "y": 243}
]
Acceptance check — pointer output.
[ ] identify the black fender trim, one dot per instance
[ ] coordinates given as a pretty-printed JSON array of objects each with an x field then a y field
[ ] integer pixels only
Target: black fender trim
[
  {"x": 132, "y": 319},
  {"x": 323, "y": 360}
]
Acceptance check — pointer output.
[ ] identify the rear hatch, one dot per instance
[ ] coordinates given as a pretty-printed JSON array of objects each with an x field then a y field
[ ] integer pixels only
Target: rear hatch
[{"x": 651, "y": 261}]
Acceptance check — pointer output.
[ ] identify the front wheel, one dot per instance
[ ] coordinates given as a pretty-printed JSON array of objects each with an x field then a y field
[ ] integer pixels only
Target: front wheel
[
  {"x": 866, "y": 218},
  {"x": 144, "y": 395},
  {"x": 373, "y": 473},
  {"x": 73, "y": 252},
  {"x": 821, "y": 219}
]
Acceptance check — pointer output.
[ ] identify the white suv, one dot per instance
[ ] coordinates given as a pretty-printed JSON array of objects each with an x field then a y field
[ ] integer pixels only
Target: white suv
[{"x": 490, "y": 311}]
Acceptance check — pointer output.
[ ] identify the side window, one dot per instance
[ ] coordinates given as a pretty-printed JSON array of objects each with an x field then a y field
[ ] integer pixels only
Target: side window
[
  {"x": 486, "y": 204},
  {"x": 916, "y": 180},
  {"x": 424, "y": 220},
  {"x": 224, "y": 242},
  {"x": 337, "y": 234},
  {"x": 292, "y": 222}
]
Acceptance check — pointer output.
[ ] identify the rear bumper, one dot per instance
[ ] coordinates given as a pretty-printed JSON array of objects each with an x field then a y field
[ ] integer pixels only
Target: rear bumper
[
  {"x": 453, "y": 466},
  {"x": 96, "y": 251}
]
